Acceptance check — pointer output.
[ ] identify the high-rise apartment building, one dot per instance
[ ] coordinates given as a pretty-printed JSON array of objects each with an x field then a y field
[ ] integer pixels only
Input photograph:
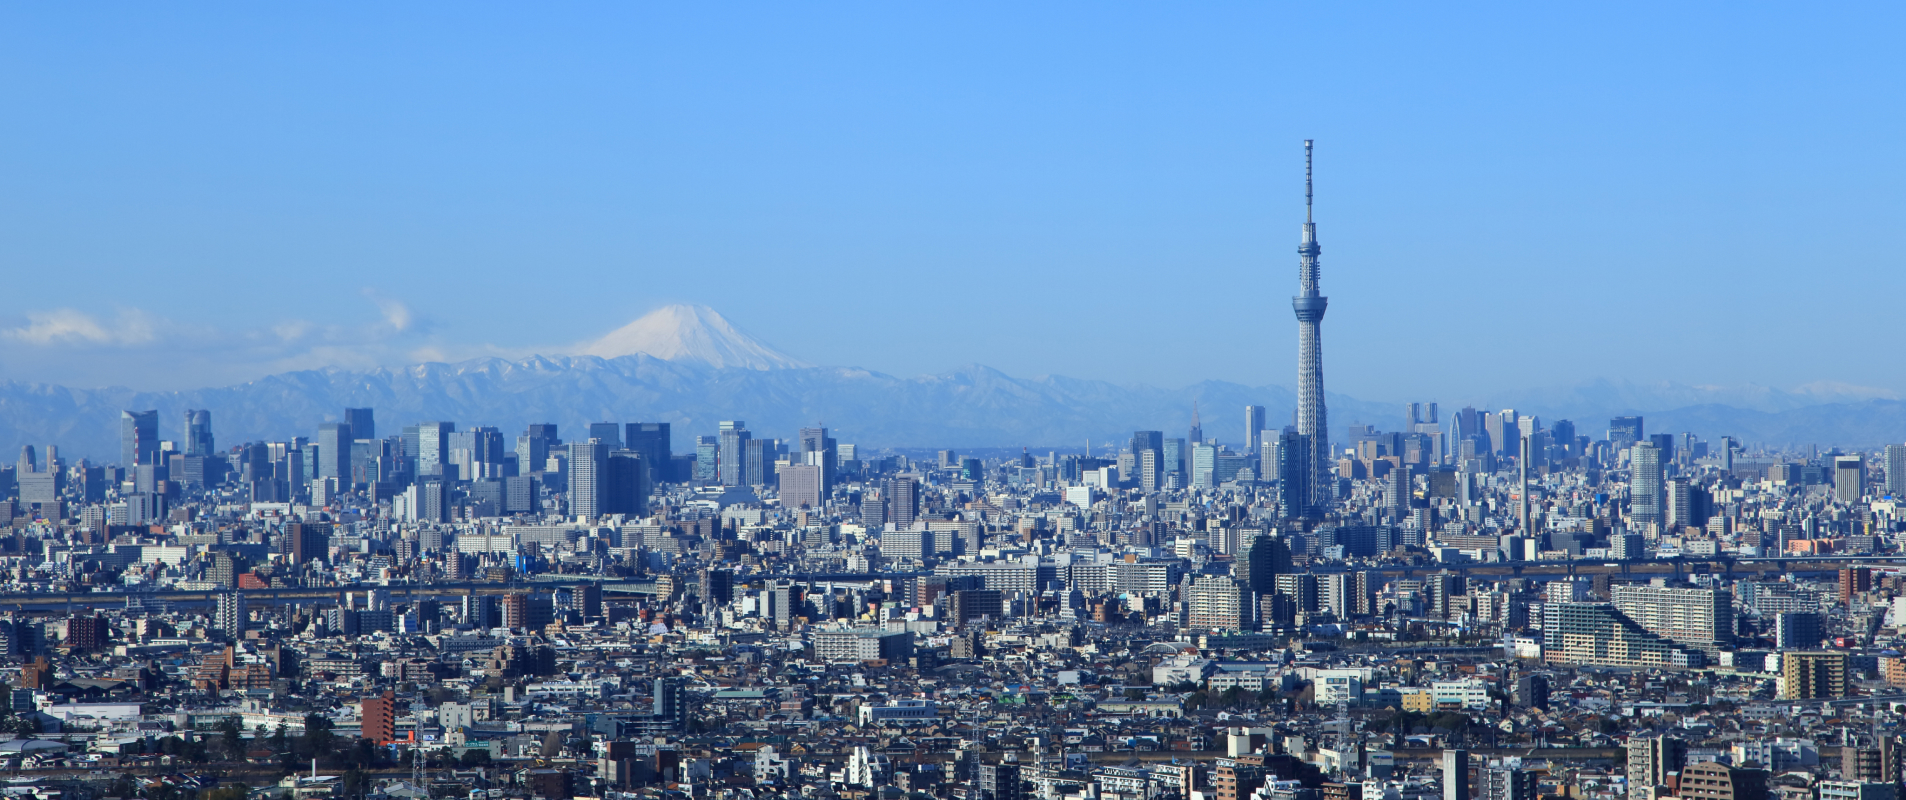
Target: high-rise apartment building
[
  {"x": 1217, "y": 602},
  {"x": 231, "y": 615},
  {"x": 1813, "y": 675},
  {"x": 1698, "y": 618},
  {"x": 1896, "y": 471},
  {"x": 1710, "y": 780},
  {"x": 1855, "y": 580},
  {"x": 587, "y": 461},
  {"x": 379, "y": 714},
  {"x": 1645, "y": 501},
  {"x": 1455, "y": 774},
  {"x": 903, "y": 501},
  {"x": 1650, "y": 760},
  {"x": 1507, "y": 783}
]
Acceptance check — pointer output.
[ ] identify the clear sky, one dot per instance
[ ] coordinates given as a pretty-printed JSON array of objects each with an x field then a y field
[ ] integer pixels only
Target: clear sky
[{"x": 1509, "y": 196}]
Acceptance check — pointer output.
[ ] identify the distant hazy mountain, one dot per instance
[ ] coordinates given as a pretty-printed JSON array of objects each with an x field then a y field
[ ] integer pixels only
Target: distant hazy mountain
[
  {"x": 689, "y": 367},
  {"x": 974, "y": 406}
]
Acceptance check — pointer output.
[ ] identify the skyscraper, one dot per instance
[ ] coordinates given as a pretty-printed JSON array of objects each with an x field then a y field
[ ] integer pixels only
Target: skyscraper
[
  {"x": 334, "y": 451},
  {"x": 651, "y": 439},
  {"x": 198, "y": 432},
  {"x": 1309, "y": 306},
  {"x": 1624, "y": 431},
  {"x": 433, "y": 440},
  {"x": 818, "y": 449},
  {"x": 734, "y": 448},
  {"x": 1253, "y": 428},
  {"x": 1849, "y": 478},
  {"x": 231, "y": 615},
  {"x": 532, "y": 448},
  {"x": 610, "y": 433},
  {"x": 903, "y": 501},
  {"x": 1197, "y": 428},
  {"x": 138, "y": 438},
  {"x": 362, "y": 421},
  {"x": 1896, "y": 470},
  {"x": 1152, "y": 441},
  {"x": 586, "y": 465},
  {"x": 1644, "y": 486}
]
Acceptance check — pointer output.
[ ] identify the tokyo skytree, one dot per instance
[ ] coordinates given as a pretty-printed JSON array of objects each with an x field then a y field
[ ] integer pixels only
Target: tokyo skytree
[{"x": 1312, "y": 424}]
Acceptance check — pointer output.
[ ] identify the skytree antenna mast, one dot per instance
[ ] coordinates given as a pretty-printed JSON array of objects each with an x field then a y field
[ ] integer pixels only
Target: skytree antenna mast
[{"x": 1312, "y": 422}]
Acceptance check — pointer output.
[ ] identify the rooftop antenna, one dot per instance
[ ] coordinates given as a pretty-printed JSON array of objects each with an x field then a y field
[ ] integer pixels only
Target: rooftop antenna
[{"x": 1307, "y": 180}]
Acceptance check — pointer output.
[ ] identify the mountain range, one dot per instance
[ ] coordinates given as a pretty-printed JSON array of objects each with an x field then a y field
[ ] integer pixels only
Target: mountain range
[{"x": 688, "y": 366}]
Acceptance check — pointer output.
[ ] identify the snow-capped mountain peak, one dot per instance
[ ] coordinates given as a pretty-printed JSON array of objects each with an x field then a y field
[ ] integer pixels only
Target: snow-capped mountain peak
[{"x": 686, "y": 333}]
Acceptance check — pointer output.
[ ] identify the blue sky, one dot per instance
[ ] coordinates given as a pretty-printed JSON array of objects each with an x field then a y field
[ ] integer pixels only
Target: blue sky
[{"x": 1510, "y": 195}]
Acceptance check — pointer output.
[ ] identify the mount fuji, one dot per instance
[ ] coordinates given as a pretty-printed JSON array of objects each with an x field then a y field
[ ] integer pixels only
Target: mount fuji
[{"x": 694, "y": 334}]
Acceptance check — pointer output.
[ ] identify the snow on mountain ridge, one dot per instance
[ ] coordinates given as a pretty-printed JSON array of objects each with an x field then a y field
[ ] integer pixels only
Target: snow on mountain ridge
[{"x": 694, "y": 334}]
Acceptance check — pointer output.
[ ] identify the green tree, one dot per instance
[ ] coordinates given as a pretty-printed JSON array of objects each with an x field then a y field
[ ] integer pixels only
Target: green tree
[{"x": 232, "y": 733}]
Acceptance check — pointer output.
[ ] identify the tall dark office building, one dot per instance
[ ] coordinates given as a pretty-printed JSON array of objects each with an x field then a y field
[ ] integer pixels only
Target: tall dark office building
[
  {"x": 718, "y": 587},
  {"x": 362, "y": 422},
  {"x": 1253, "y": 428},
  {"x": 304, "y": 541},
  {"x": 334, "y": 451},
  {"x": 1293, "y": 474},
  {"x": 198, "y": 432},
  {"x": 625, "y": 484},
  {"x": 138, "y": 438},
  {"x": 1265, "y": 558},
  {"x": 757, "y": 463},
  {"x": 651, "y": 439},
  {"x": 1624, "y": 432},
  {"x": 609, "y": 433}
]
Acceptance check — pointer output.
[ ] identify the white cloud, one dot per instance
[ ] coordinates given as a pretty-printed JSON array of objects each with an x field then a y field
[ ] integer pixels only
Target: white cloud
[
  {"x": 395, "y": 312},
  {"x": 66, "y": 326},
  {"x": 139, "y": 349}
]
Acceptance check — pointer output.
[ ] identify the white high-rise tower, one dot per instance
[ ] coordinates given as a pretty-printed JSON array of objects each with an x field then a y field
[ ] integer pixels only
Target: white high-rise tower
[{"x": 1312, "y": 423}]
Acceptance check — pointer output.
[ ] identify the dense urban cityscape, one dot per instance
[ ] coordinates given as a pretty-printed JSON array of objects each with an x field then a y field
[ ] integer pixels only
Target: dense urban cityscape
[{"x": 1474, "y": 604}]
